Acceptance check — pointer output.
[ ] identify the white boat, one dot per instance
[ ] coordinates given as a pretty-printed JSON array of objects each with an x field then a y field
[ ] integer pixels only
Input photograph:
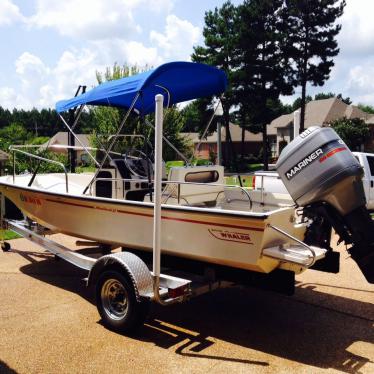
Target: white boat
[
  {"x": 223, "y": 234},
  {"x": 235, "y": 231},
  {"x": 202, "y": 219}
]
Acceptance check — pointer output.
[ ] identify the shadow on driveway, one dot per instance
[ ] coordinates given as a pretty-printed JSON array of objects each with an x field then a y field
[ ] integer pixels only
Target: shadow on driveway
[
  {"x": 5, "y": 369},
  {"x": 304, "y": 328}
]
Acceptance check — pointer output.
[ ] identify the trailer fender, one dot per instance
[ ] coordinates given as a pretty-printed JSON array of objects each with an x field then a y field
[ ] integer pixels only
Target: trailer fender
[{"x": 131, "y": 265}]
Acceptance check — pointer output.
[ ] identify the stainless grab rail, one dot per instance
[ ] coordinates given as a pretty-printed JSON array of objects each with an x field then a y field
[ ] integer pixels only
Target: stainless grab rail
[
  {"x": 297, "y": 241},
  {"x": 15, "y": 149},
  {"x": 60, "y": 146}
]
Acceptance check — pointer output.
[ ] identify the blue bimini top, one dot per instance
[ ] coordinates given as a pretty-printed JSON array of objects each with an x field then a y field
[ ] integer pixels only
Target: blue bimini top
[{"x": 182, "y": 80}]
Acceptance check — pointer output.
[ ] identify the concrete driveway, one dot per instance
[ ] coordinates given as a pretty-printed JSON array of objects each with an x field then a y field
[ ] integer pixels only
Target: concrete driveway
[{"x": 49, "y": 324}]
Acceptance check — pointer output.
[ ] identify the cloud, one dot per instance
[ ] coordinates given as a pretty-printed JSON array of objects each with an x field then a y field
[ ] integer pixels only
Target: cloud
[
  {"x": 8, "y": 97},
  {"x": 41, "y": 85},
  {"x": 353, "y": 72},
  {"x": 159, "y": 6},
  {"x": 129, "y": 52},
  {"x": 356, "y": 36},
  {"x": 74, "y": 68},
  {"x": 88, "y": 19},
  {"x": 29, "y": 63},
  {"x": 360, "y": 83},
  {"x": 111, "y": 35},
  {"x": 9, "y": 13},
  {"x": 94, "y": 19},
  {"x": 178, "y": 38},
  {"x": 32, "y": 73}
]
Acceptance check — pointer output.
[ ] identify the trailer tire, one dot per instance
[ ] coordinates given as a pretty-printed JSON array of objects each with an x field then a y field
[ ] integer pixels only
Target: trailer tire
[
  {"x": 5, "y": 246},
  {"x": 117, "y": 304}
]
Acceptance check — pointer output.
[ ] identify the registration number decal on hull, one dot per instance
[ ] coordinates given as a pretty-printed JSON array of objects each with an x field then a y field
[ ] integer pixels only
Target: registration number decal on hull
[
  {"x": 230, "y": 236},
  {"x": 30, "y": 199}
]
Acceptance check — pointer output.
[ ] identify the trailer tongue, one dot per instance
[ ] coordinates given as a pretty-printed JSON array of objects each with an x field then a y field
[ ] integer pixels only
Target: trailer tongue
[{"x": 322, "y": 176}]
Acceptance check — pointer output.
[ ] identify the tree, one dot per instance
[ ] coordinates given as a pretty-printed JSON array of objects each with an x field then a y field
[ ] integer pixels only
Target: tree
[
  {"x": 352, "y": 131},
  {"x": 346, "y": 100},
  {"x": 15, "y": 133},
  {"x": 220, "y": 38},
  {"x": 107, "y": 120},
  {"x": 118, "y": 71},
  {"x": 40, "y": 123},
  {"x": 297, "y": 103},
  {"x": 290, "y": 108},
  {"x": 196, "y": 114},
  {"x": 322, "y": 96},
  {"x": 366, "y": 108},
  {"x": 312, "y": 29},
  {"x": 5, "y": 117},
  {"x": 174, "y": 122},
  {"x": 265, "y": 71}
]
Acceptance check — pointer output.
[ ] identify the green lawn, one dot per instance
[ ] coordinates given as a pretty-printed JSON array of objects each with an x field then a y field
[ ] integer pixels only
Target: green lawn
[
  {"x": 234, "y": 180},
  {"x": 254, "y": 167},
  {"x": 9, "y": 235},
  {"x": 170, "y": 164},
  {"x": 85, "y": 169}
]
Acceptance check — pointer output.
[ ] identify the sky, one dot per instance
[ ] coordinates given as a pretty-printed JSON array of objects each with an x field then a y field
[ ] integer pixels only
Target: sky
[{"x": 49, "y": 47}]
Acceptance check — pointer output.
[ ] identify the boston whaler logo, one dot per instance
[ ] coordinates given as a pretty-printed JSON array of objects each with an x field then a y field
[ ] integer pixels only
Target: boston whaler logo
[
  {"x": 303, "y": 163},
  {"x": 231, "y": 236}
]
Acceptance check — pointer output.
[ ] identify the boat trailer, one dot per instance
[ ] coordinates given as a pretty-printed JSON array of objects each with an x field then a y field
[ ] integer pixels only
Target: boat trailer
[
  {"x": 139, "y": 279},
  {"x": 125, "y": 285}
]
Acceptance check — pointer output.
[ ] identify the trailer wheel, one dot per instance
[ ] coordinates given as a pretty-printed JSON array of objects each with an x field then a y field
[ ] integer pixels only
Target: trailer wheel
[
  {"x": 117, "y": 304},
  {"x": 5, "y": 246}
]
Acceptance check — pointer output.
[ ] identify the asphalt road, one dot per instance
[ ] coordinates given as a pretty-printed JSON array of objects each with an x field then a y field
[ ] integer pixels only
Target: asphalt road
[{"x": 49, "y": 324}]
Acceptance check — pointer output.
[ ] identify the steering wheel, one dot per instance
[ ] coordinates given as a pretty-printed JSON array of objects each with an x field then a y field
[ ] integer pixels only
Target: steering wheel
[{"x": 138, "y": 163}]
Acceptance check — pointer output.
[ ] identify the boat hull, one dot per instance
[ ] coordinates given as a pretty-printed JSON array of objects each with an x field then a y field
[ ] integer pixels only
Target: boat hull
[{"x": 228, "y": 238}]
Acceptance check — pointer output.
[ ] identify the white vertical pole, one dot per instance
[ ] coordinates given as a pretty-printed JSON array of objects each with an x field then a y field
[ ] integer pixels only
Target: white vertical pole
[
  {"x": 219, "y": 144},
  {"x": 159, "y": 99},
  {"x": 296, "y": 123}
]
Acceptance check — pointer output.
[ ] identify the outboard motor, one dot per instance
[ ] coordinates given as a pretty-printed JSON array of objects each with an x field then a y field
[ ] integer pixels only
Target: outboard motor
[{"x": 322, "y": 176}]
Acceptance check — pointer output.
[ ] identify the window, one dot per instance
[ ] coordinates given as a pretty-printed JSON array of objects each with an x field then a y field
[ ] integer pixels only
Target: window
[{"x": 371, "y": 164}]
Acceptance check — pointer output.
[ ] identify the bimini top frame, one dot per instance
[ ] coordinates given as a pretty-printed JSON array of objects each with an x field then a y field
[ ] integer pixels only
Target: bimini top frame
[
  {"x": 178, "y": 81},
  {"x": 181, "y": 80}
]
